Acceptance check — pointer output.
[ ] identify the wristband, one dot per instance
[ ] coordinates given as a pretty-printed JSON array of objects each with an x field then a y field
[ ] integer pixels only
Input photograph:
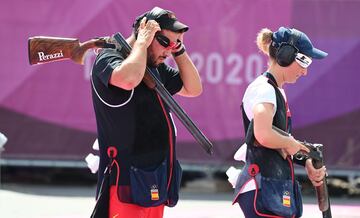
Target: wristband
[{"x": 182, "y": 50}]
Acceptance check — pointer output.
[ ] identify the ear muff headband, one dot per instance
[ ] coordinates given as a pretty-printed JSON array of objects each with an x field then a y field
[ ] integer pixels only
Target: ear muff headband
[
  {"x": 136, "y": 24},
  {"x": 154, "y": 14},
  {"x": 287, "y": 51}
]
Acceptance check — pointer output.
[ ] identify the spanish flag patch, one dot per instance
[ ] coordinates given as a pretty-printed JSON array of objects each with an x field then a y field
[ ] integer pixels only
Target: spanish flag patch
[
  {"x": 154, "y": 193},
  {"x": 286, "y": 199}
]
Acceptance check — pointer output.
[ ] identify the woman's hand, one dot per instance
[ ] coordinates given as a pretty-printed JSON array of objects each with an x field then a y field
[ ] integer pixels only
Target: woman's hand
[
  {"x": 315, "y": 175},
  {"x": 294, "y": 147}
]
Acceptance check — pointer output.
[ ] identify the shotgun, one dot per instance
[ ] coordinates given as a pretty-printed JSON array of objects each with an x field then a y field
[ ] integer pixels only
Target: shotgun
[
  {"x": 44, "y": 49},
  {"x": 316, "y": 155}
]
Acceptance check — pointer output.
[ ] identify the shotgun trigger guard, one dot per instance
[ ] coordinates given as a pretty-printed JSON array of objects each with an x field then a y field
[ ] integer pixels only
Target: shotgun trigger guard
[
  {"x": 109, "y": 45},
  {"x": 116, "y": 44},
  {"x": 103, "y": 42},
  {"x": 315, "y": 150}
]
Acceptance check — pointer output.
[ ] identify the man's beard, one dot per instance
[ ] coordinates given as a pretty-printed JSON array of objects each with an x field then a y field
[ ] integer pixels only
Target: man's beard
[{"x": 151, "y": 62}]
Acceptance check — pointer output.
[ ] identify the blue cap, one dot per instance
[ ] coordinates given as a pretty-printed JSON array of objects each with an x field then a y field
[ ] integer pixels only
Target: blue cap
[{"x": 303, "y": 43}]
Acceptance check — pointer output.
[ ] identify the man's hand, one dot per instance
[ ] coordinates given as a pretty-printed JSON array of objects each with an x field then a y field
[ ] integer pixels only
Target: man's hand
[
  {"x": 146, "y": 31},
  {"x": 315, "y": 175},
  {"x": 131, "y": 71},
  {"x": 178, "y": 49}
]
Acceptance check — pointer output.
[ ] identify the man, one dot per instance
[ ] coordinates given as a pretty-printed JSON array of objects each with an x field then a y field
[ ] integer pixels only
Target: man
[{"x": 134, "y": 125}]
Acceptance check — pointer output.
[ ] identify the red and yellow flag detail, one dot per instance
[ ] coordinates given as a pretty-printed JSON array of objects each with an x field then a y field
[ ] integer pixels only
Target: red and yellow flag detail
[
  {"x": 154, "y": 194},
  {"x": 286, "y": 199}
]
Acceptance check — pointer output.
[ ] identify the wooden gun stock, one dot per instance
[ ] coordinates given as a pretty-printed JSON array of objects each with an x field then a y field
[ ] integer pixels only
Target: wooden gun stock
[{"x": 43, "y": 49}]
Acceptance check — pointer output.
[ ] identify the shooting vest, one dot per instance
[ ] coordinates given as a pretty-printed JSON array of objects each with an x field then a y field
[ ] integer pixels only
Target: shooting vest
[
  {"x": 269, "y": 162},
  {"x": 277, "y": 191}
]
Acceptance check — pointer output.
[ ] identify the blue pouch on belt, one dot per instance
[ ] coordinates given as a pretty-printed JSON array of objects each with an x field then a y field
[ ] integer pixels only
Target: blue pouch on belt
[
  {"x": 173, "y": 194},
  {"x": 148, "y": 187}
]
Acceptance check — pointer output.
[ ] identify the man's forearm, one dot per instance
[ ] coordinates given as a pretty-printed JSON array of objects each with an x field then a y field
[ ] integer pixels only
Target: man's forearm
[
  {"x": 131, "y": 72},
  {"x": 190, "y": 76}
]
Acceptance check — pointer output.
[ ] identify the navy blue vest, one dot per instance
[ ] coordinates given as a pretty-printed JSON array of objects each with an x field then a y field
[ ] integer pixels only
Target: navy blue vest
[{"x": 270, "y": 162}]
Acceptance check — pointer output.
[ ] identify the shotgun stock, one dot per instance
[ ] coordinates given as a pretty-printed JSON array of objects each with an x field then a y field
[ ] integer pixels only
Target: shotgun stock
[
  {"x": 44, "y": 49},
  {"x": 49, "y": 49}
]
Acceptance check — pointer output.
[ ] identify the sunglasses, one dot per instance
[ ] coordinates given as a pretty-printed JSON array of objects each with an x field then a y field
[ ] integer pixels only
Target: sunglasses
[
  {"x": 165, "y": 42},
  {"x": 303, "y": 60}
]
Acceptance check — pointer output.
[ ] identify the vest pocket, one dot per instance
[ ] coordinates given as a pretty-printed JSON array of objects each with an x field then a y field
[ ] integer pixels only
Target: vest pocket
[
  {"x": 279, "y": 197},
  {"x": 148, "y": 187}
]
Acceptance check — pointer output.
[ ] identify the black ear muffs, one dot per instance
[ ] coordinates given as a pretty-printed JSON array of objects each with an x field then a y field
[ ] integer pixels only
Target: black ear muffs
[
  {"x": 287, "y": 51},
  {"x": 136, "y": 23},
  {"x": 154, "y": 14}
]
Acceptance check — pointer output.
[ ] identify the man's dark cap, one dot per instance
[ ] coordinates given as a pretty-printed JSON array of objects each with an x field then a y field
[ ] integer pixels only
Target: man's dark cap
[{"x": 165, "y": 18}]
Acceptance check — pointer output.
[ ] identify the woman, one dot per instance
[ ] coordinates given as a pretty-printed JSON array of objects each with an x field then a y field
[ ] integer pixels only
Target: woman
[{"x": 266, "y": 187}]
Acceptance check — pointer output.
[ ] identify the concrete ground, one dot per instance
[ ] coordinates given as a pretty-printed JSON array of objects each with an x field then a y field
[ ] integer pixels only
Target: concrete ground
[
  {"x": 64, "y": 201},
  {"x": 69, "y": 193}
]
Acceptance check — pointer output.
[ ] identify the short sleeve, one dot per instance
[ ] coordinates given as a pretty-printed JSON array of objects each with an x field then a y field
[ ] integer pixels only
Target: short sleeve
[
  {"x": 258, "y": 92},
  {"x": 105, "y": 63}
]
